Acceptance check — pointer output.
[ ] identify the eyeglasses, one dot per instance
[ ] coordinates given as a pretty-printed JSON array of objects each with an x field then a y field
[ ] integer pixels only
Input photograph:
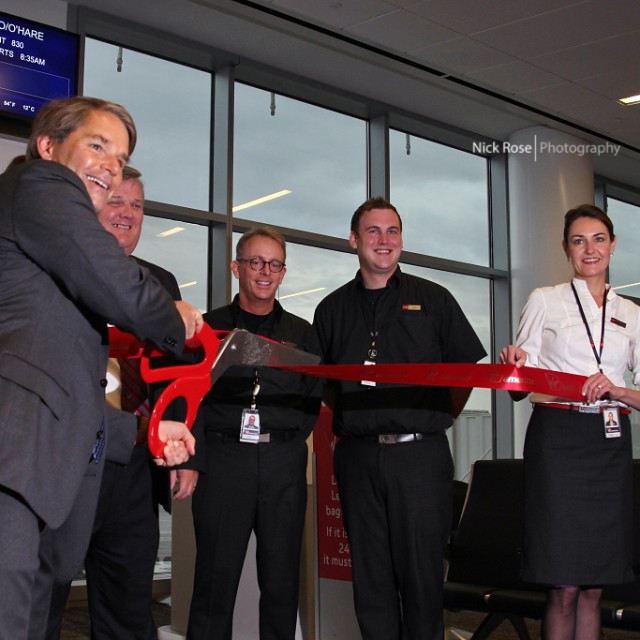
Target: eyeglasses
[{"x": 257, "y": 264}]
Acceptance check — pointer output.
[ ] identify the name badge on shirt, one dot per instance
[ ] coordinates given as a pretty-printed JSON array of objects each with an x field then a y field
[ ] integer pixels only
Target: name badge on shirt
[
  {"x": 368, "y": 383},
  {"x": 250, "y": 426},
  {"x": 611, "y": 419}
]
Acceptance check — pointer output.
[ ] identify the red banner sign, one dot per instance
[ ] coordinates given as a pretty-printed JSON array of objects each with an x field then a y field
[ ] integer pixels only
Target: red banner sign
[{"x": 334, "y": 557}]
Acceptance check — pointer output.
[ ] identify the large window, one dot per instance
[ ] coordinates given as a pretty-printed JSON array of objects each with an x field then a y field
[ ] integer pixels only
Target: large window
[
  {"x": 624, "y": 274},
  {"x": 181, "y": 248},
  {"x": 471, "y": 437},
  {"x": 171, "y": 105},
  {"x": 297, "y": 161},
  {"x": 296, "y": 165},
  {"x": 442, "y": 195}
]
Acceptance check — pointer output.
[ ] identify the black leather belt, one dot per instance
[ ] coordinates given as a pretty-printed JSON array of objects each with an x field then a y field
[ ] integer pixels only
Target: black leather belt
[{"x": 396, "y": 438}]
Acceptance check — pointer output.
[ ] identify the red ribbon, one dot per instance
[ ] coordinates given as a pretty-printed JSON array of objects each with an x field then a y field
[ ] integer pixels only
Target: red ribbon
[
  {"x": 490, "y": 376},
  {"x": 192, "y": 382}
]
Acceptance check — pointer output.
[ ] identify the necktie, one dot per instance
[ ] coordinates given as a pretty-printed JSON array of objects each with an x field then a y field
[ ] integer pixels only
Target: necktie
[{"x": 135, "y": 394}]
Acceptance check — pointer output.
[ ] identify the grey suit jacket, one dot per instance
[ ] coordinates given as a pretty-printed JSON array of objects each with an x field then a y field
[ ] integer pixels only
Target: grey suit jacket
[{"x": 62, "y": 277}]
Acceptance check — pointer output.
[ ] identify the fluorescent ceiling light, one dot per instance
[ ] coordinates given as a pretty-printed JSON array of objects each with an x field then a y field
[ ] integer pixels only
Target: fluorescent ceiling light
[
  {"x": 188, "y": 284},
  {"x": 630, "y": 100},
  {"x": 302, "y": 293},
  {"x": 253, "y": 203},
  {"x": 625, "y": 286},
  {"x": 170, "y": 232}
]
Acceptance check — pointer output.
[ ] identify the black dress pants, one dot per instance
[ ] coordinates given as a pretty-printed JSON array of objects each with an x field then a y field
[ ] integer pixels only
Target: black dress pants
[
  {"x": 396, "y": 504},
  {"x": 122, "y": 554},
  {"x": 120, "y": 561},
  {"x": 248, "y": 487}
]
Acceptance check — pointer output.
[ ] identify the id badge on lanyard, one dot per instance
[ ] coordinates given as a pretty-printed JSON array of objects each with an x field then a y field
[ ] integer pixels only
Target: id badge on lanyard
[
  {"x": 250, "y": 421},
  {"x": 611, "y": 419}
]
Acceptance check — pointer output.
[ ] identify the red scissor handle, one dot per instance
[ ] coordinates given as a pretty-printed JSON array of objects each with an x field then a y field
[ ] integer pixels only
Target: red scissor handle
[{"x": 190, "y": 381}]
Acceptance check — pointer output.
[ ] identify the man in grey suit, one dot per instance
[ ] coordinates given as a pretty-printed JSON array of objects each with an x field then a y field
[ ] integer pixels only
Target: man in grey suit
[
  {"x": 62, "y": 278},
  {"x": 120, "y": 561}
]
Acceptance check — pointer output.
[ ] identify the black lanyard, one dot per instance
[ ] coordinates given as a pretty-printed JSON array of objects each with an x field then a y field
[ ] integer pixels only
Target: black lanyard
[
  {"x": 368, "y": 305},
  {"x": 596, "y": 353}
]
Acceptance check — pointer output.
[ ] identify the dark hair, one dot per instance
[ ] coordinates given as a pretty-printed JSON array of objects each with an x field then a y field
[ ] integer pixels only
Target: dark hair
[
  {"x": 265, "y": 232},
  {"x": 372, "y": 203},
  {"x": 586, "y": 211},
  {"x": 59, "y": 118}
]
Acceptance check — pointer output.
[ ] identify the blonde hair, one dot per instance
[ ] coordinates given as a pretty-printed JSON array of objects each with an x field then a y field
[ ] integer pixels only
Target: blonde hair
[{"x": 265, "y": 232}]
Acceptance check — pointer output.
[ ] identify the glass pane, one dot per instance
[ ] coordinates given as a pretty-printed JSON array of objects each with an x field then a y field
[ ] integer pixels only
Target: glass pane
[
  {"x": 471, "y": 437},
  {"x": 442, "y": 196},
  {"x": 311, "y": 161},
  {"x": 623, "y": 269},
  {"x": 182, "y": 252},
  {"x": 171, "y": 106},
  {"x": 624, "y": 275}
]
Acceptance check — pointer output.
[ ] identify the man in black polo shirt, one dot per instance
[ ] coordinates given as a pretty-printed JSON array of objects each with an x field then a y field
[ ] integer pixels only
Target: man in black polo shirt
[
  {"x": 255, "y": 423},
  {"x": 392, "y": 462}
]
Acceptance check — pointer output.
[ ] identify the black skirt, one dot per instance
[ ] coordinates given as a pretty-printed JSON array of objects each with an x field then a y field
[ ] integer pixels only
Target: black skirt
[{"x": 578, "y": 500}]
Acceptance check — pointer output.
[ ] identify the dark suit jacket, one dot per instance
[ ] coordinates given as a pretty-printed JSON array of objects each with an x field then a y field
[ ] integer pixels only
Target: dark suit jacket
[
  {"x": 160, "y": 475},
  {"x": 62, "y": 277}
]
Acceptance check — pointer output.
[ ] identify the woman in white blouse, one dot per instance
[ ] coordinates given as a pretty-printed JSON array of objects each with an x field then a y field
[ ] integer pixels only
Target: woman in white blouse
[{"x": 578, "y": 473}]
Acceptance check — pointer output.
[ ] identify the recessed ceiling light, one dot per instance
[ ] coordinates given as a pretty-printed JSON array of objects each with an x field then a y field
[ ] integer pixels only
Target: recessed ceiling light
[
  {"x": 170, "y": 232},
  {"x": 253, "y": 203},
  {"x": 630, "y": 100}
]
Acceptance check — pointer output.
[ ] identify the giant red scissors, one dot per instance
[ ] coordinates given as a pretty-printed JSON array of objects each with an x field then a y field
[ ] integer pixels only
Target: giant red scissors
[{"x": 191, "y": 382}]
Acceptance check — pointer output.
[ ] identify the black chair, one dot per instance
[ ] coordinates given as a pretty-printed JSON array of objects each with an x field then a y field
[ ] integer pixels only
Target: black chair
[
  {"x": 460, "y": 490},
  {"x": 621, "y": 602},
  {"x": 485, "y": 557}
]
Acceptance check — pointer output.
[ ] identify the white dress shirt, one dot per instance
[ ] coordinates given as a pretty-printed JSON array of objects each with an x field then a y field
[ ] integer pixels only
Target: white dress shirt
[{"x": 554, "y": 336}]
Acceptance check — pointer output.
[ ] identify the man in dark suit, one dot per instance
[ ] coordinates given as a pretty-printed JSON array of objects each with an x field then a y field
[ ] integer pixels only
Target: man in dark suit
[
  {"x": 122, "y": 550},
  {"x": 63, "y": 277}
]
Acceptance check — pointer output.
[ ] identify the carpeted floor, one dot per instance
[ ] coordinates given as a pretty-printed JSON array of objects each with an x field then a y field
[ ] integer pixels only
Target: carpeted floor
[{"x": 76, "y": 626}]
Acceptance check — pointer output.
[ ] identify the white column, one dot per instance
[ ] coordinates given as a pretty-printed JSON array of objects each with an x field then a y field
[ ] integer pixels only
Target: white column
[{"x": 547, "y": 176}]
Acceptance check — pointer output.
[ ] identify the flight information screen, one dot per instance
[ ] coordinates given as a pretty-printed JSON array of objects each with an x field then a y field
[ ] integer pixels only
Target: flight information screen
[{"x": 38, "y": 64}]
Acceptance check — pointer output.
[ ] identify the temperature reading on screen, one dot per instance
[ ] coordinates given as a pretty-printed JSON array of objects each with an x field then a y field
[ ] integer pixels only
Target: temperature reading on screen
[{"x": 38, "y": 64}]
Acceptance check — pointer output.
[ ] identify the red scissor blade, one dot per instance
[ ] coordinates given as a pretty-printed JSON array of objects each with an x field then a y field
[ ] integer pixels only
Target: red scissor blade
[{"x": 244, "y": 348}]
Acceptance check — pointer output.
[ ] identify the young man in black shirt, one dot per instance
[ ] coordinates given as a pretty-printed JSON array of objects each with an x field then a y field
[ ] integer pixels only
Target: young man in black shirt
[{"x": 392, "y": 462}]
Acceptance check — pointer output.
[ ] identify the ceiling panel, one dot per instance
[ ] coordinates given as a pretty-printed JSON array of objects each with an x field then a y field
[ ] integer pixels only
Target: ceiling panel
[
  {"x": 516, "y": 77},
  {"x": 468, "y": 18},
  {"x": 401, "y": 31},
  {"x": 564, "y": 28},
  {"x": 615, "y": 54},
  {"x": 461, "y": 55}
]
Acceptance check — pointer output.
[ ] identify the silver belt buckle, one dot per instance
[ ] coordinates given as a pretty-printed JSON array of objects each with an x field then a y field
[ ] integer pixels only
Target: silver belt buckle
[
  {"x": 589, "y": 408},
  {"x": 397, "y": 438}
]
